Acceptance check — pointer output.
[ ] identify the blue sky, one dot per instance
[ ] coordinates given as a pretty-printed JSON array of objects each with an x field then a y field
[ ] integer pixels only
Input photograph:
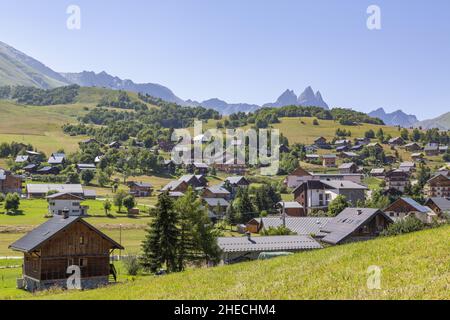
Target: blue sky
[{"x": 250, "y": 51}]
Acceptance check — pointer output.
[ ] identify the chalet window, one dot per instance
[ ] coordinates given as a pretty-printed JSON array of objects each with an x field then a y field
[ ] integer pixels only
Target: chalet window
[
  {"x": 82, "y": 240},
  {"x": 70, "y": 262},
  {"x": 82, "y": 262},
  {"x": 75, "y": 204}
]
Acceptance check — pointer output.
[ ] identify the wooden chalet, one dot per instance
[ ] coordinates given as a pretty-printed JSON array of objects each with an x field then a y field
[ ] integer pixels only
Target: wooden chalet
[
  {"x": 405, "y": 207},
  {"x": 9, "y": 182},
  {"x": 60, "y": 243},
  {"x": 140, "y": 189},
  {"x": 438, "y": 186}
]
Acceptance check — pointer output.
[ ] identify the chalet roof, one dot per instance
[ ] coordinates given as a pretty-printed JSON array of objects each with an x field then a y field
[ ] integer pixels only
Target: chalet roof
[
  {"x": 140, "y": 184},
  {"x": 56, "y": 158},
  {"x": 218, "y": 190},
  {"x": 350, "y": 154},
  {"x": 377, "y": 171},
  {"x": 375, "y": 144},
  {"x": 236, "y": 179},
  {"x": 299, "y": 225},
  {"x": 290, "y": 204},
  {"x": 214, "y": 202},
  {"x": 311, "y": 184},
  {"x": 395, "y": 139},
  {"x": 60, "y": 194},
  {"x": 438, "y": 175},
  {"x": 414, "y": 204},
  {"x": 200, "y": 165},
  {"x": 343, "y": 184},
  {"x": 176, "y": 194},
  {"x": 20, "y": 159},
  {"x": 431, "y": 147},
  {"x": 172, "y": 185},
  {"x": 300, "y": 172},
  {"x": 417, "y": 154},
  {"x": 48, "y": 230},
  {"x": 320, "y": 139},
  {"x": 312, "y": 156},
  {"x": 329, "y": 156},
  {"x": 411, "y": 144},
  {"x": 44, "y": 188},
  {"x": 88, "y": 193},
  {"x": 442, "y": 203},
  {"x": 347, "y": 222},
  {"x": 407, "y": 164},
  {"x": 341, "y": 148},
  {"x": 275, "y": 243},
  {"x": 32, "y": 153},
  {"x": 30, "y": 166},
  {"x": 347, "y": 165},
  {"x": 86, "y": 166}
]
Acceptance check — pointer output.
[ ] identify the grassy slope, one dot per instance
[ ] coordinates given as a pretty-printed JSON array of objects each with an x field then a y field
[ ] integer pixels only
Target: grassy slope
[
  {"x": 414, "y": 266},
  {"x": 41, "y": 125}
]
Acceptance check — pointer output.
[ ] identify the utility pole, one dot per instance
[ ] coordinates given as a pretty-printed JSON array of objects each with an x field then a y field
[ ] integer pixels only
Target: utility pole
[{"x": 283, "y": 214}]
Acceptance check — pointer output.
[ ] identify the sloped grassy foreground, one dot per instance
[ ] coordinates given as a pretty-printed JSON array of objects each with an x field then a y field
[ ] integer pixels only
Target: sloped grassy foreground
[{"x": 414, "y": 266}]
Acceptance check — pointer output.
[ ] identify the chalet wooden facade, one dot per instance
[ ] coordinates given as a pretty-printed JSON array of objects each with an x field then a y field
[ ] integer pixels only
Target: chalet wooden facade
[
  {"x": 438, "y": 186},
  {"x": 140, "y": 189},
  {"x": 64, "y": 242},
  {"x": 9, "y": 182},
  {"x": 397, "y": 180}
]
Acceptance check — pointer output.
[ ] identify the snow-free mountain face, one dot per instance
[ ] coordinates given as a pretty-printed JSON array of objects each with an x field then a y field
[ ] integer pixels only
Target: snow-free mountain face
[
  {"x": 103, "y": 79},
  {"x": 16, "y": 68},
  {"x": 442, "y": 123},
  {"x": 307, "y": 99},
  {"x": 396, "y": 118}
]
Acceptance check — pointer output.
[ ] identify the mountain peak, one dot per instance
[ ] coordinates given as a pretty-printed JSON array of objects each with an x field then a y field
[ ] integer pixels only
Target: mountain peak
[{"x": 396, "y": 118}]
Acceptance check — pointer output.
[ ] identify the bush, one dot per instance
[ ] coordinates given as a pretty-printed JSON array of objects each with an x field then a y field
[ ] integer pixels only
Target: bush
[
  {"x": 12, "y": 202},
  {"x": 407, "y": 225},
  {"x": 131, "y": 264}
]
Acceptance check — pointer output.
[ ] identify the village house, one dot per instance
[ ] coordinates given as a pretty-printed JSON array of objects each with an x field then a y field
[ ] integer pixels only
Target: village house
[
  {"x": 216, "y": 192},
  {"x": 443, "y": 149},
  {"x": 86, "y": 166},
  {"x": 405, "y": 207},
  {"x": 48, "y": 170},
  {"x": 9, "y": 182},
  {"x": 195, "y": 181},
  {"x": 217, "y": 208},
  {"x": 407, "y": 166},
  {"x": 197, "y": 168},
  {"x": 176, "y": 188},
  {"x": 30, "y": 168},
  {"x": 375, "y": 145},
  {"x": 439, "y": 205},
  {"x": 300, "y": 175},
  {"x": 57, "y": 159},
  {"x": 63, "y": 242},
  {"x": 349, "y": 155},
  {"x": 140, "y": 189},
  {"x": 309, "y": 226},
  {"x": 390, "y": 159},
  {"x": 317, "y": 195},
  {"x": 357, "y": 147},
  {"x": 397, "y": 180},
  {"x": 342, "y": 142},
  {"x": 417, "y": 157},
  {"x": 349, "y": 167},
  {"x": 22, "y": 159},
  {"x": 412, "y": 147},
  {"x": 312, "y": 158},
  {"x": 397, "y": 141},
  {"x": 438, "y": 186},
  {"x": 35, "y": 191},
  {"x": 355, "y": 224},
  {"x": 235, "y": 183},
  {"x": 378, "y": 173},
  {"x": 59, "y": 202},
  {"x": 321, "y": 143},
  {"x": 362, "y": 141},
  {"x": 342, "y": 149},
  {"x": 431, "y": 149},
  {"x": 240, "y": 249},
  {"x": 329, "y": 160},
  {"x": 291, "y": 209}
]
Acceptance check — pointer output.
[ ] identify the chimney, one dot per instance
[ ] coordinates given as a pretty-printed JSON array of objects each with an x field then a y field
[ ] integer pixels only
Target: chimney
[
  {"x": 65, "y": 213},
  {"x": 359, "y": 212}
]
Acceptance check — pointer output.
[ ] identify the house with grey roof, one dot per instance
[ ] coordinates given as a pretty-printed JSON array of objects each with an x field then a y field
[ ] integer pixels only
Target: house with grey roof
[
  {"x": 348, "y": 167},
  {"x": 355, "y": 224},
  {"x": 22, "y": 159},
  {"x": 291, "y": 208},
  {"x": 62, "y": 242},
  {"x": 439, "y": 205},
  {"x": 406, "y": 207},
  {"x": 57, "y": 159},
  {"x": 310, "y": 226},
  {"x": 41, "y": 190},
  {"x": 240, "y": 249},
  {"x": 407, "y": 166},
  {"x": 317, "y": 195},
  {"x": 216, "y": 207}
]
